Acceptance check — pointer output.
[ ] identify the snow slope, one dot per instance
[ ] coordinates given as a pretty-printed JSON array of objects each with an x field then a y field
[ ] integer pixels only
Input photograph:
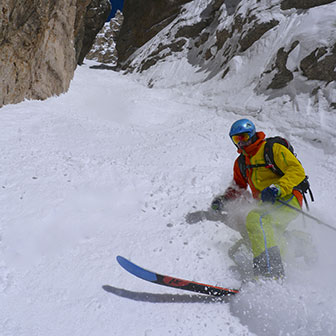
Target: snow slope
[
  {"x": 252, "y": 70},
  {"x": 112, "y": 167}
]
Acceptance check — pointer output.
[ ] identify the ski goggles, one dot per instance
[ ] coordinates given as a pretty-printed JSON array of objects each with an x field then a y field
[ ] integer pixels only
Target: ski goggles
[{"x": 242, "y": 137}]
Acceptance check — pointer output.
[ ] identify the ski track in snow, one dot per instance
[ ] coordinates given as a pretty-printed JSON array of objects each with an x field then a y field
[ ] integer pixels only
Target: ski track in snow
[{"x": 111, "y": 168}]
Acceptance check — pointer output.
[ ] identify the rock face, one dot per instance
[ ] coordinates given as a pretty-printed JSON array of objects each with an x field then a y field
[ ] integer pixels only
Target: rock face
[
  {"x": 216, "y": 35},
  {"x": 196, "y": 31},
  {"x": 103, "y": 49},
  {"x": 96, "y": 14},
  {"x": 143, "y": 20},
  {"x": 79, "y": 26},
  {"x": 320, "y": 64},
  {"x": 303, "y": 4},
  {"x": 40, "y": 44}
]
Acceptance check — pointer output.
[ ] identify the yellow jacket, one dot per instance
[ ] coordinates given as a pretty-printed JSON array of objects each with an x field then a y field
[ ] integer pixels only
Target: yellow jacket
[{"x": 259, "y": 178}]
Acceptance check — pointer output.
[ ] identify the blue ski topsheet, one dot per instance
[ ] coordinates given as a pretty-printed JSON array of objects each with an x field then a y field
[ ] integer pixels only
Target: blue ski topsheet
[
  {"x": 136, "y": 270},
  {"x": 169, "y": 281}
]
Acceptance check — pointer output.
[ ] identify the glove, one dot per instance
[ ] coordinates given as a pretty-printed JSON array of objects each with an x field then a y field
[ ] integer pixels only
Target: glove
[
  {"x": 270, "y": 193},
  {"x": 218, "y": 204}
]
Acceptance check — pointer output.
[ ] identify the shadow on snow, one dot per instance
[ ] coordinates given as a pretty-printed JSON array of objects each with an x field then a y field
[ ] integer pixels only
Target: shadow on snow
[{"x": 164, "y": 298}]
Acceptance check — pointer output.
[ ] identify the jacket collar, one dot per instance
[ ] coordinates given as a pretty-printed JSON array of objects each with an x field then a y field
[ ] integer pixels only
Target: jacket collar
[{"x": 252, "y": 149}]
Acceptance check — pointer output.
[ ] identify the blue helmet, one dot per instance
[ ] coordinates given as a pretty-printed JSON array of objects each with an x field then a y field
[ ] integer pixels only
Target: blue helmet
[{"x": 243, "y": 126}]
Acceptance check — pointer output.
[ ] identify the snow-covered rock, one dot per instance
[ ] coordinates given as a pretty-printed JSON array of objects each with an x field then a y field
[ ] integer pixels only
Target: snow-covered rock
[
  {"x": 96, "y": 14},
  {"x": 104, "y": 47},
  {"x": 144, "y": 19},
  {"x": 283, "y": 47}
]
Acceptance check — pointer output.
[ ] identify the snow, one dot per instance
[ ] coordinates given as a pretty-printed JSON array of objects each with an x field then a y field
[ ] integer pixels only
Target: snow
[
  {"x": 251, "y": 70},
  {"x": 111, "y": 168}
]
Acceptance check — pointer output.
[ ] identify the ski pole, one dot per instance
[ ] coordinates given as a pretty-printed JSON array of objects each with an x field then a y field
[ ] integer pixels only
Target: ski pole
[{"x": 307, "y": 215}]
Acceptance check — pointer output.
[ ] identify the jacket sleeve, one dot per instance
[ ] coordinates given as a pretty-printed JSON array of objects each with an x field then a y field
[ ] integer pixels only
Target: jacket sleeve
[
  {"x": 237, "y": 186},
  {"x": 293, "y": 171}
]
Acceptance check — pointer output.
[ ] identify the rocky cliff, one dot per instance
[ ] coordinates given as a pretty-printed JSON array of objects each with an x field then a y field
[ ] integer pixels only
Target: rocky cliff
[
  {"x": 40, "y": 44},
  {"x": 143, "y": 20},
  {"x": 283, "y": 46},
  {"x": 104, "y": 47},
  {"x": 96, "y": 14}
]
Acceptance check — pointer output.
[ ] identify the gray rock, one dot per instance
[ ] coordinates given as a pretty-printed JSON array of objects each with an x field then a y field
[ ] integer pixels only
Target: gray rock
[
  {"x": 96, "y": 14},
  {"x": 282, "y": 75},
  {"x": 103, "y": 49},
  {"x": 41, "y": 42},
  {"x": 320, "y": 64},
  {"x": 143, "y": 19},
  {"x": 303, "y": 4},
  {"x": 227, "y": 30}
]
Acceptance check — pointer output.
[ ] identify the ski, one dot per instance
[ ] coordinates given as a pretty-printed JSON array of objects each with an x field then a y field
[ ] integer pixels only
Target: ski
[{"x": 169, "y": 281}]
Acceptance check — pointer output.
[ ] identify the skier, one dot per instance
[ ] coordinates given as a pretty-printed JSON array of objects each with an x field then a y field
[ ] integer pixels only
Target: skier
[{"x": 267, "y": 223}]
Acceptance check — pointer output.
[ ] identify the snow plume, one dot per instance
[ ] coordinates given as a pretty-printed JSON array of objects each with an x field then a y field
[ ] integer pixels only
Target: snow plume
[
  {"x": 303, "y": 304},
  {"x": 275, "y": 309}
]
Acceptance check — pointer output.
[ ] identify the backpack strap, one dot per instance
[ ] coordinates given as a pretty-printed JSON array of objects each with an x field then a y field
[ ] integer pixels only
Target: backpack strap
[
  {"x": 242, "y": 165},
  {"x": 303, "y": 188},
  {"x": 269, "y": 156}
]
